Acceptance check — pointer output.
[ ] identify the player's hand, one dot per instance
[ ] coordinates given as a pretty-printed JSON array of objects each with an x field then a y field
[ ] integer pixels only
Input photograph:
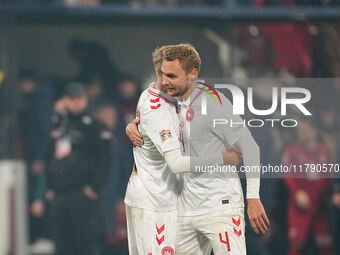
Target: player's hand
[
  {"x": 232, "y": 156},
  {"x": 336, "y": 199},
  {"x": 133, "y": 133},
  {"x": 90, "y": 193},
  {"x": 257, "y": 216},
  {"x": 37, "y": 208},
  {"x": 302, "y": 199}
]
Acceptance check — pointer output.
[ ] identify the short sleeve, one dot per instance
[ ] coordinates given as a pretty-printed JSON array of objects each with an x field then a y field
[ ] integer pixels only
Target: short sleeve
[{"x": 160, "y": 127}]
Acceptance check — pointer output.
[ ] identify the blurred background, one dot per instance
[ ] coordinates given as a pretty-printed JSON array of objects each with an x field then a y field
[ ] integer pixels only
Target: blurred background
[{"x": 100, "y": 50}]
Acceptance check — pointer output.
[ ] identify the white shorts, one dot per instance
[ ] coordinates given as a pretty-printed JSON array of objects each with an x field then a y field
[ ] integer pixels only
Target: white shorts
[
  {"x": 151, "y": 233},
  {"x": 222, "y": 231}
]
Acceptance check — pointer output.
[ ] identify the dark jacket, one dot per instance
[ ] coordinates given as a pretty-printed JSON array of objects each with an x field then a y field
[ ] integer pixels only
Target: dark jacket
[{"x": 79, "y": 153}]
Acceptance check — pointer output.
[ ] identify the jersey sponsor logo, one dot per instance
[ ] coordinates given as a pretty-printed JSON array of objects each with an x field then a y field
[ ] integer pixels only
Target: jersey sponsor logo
[
  {"x": 189, "y": 115},
  {"x": 226, "y": 241},
  {"x": 168, "y": 251},
  {"x": 165, "y": 135}
]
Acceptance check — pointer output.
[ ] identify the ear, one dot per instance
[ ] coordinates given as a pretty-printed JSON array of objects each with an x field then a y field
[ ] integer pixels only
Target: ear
[{"x": 193, "y": 74}]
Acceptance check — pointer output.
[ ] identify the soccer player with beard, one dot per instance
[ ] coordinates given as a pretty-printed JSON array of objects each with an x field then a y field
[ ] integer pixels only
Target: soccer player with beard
[
  {"x": 151, "y": 196},
  {"x": 210, "y": 206}
]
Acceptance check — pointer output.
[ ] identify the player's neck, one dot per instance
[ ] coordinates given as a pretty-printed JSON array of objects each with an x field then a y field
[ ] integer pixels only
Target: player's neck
[
  {"x": 191, "y": 88},
  {"x": 158, "y": 85}
]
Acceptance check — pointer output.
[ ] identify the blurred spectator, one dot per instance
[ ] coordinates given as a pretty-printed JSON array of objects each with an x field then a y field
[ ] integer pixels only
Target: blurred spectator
[
  {"x": 95, "y": 91},
  {"x": 93, "y": 61},
  {"x": 34, "y": 117},
  {"x": 79, "y": 159},
  {"x": 128, "y": 94},
  {"x": 292, "y": 44},
  {"x": 33, "y": 120},
  {"x": 257, "y": 49},
  {"x": 328, "y": 63},
  {"x": 113, "y": 206},
  {"x": 308, "y": 196}
]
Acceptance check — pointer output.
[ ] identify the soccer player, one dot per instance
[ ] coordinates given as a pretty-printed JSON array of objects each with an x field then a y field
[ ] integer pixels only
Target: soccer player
[
  {"x": 151, "y": 196},
  {"x": 210, "y": 206}
]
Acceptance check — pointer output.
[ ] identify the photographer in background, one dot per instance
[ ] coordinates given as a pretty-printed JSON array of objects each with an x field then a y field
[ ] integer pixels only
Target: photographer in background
[{"x": 77, "y": 165}]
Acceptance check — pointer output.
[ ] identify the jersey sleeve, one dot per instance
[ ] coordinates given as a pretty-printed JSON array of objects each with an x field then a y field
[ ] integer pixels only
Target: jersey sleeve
[
  {"x": 160, "y": 128},
  {"x": 224, "y": 123}
]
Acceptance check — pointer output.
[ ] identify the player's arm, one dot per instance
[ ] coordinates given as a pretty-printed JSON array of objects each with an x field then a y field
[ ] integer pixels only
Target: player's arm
[
  {"x": 239, "y": 135},
  {"x": 251, "y": 158},
  {"x": 181, "y": 164}
]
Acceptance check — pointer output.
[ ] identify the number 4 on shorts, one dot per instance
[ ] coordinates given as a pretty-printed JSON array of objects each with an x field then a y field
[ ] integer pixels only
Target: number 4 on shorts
[{"x": 226, "y": 241}]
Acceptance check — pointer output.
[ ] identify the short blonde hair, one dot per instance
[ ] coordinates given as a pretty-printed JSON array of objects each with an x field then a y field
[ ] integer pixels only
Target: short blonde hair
[
  {"x": 157, "y": 59},
  {"x": 185, "y": 53}
]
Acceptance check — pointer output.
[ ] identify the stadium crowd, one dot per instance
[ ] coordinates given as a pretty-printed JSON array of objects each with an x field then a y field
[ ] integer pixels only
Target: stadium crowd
[{"x": 297, "y": 50}]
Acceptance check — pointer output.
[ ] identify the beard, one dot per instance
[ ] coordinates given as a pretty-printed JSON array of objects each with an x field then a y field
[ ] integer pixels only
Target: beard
[{"x": 179, "y": 90}]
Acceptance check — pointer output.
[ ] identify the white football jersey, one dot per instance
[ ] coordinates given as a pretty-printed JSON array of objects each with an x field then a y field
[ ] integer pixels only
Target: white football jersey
[
  {"x": 202, "y": 191},
  {"x": 153, "y": 186}
]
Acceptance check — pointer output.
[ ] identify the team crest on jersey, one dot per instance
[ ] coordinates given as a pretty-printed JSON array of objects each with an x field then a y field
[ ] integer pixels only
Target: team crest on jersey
[
  {"x": 168, "y": 251},
  {"x": 165, "y": 135},
  {"x": 189, "y": 115}
]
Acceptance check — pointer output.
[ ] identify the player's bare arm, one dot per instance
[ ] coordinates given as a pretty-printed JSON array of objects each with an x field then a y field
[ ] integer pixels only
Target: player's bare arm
[
  {"x": 256, "y": 213},
  {"x": 232, "y": 156}
]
